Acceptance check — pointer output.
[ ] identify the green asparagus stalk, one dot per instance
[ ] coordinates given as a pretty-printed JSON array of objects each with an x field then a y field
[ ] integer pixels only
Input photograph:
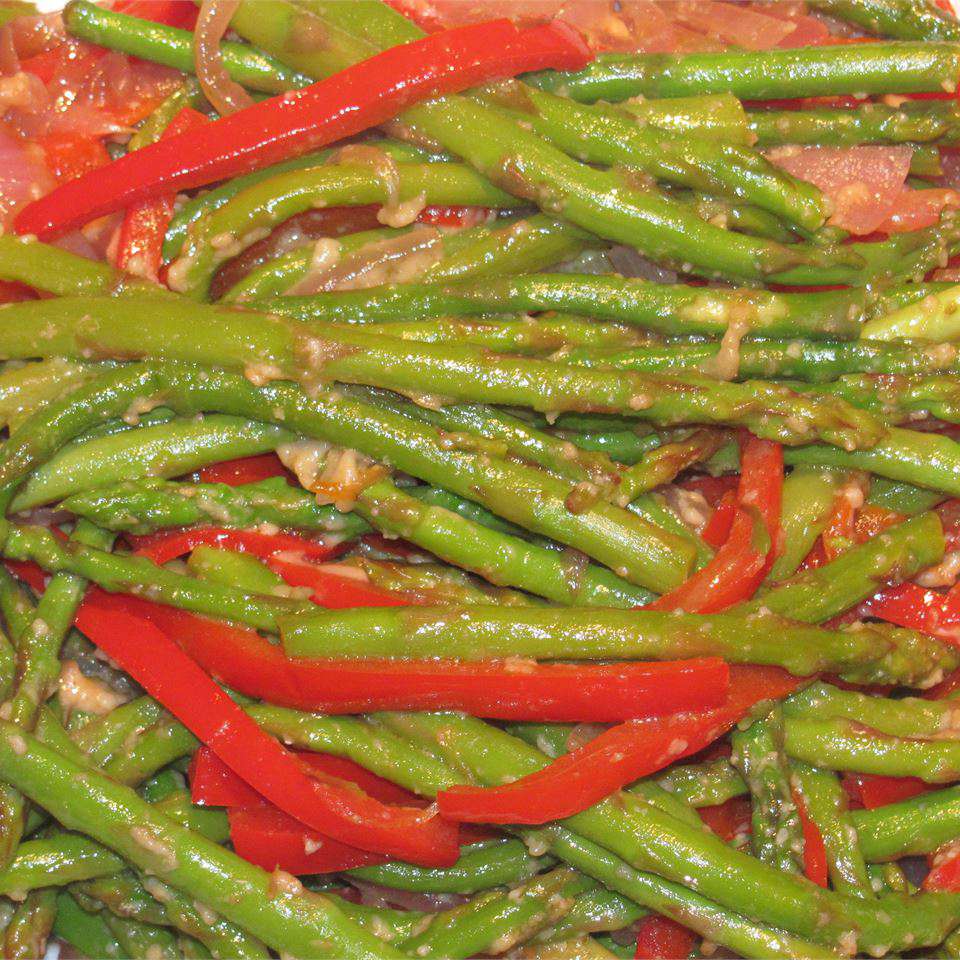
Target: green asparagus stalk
[
  {"x": 901, "y": 19},
  {"x": 478, "y": 632},
  {"x": 768, "y": 75},
  {"x": 758, "y": 753}
]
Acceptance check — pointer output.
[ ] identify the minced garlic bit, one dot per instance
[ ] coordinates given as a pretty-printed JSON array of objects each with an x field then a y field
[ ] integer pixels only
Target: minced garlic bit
[{"x": 80, "y": 692}]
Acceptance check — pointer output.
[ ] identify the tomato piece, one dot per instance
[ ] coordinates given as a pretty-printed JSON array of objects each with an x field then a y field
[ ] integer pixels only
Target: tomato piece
[
  {"x": 71, "y": 155},
  {"x": 728, "y": 820},
  {"x": 660, "y": 938}
]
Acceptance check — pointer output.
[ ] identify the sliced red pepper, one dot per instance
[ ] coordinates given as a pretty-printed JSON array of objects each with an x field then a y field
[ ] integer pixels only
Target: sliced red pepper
[
  {"x": 250, "y": 664},
  {"x": 358, "y": 98},
  {"x": 814, "y": 851},
  {"x": 140, "y": 241},
  {"x": 712, "y": 489},
  {"x": 718, "y": 526},
  {"x": 334, "y": 586},
  {"x": 235, "y": 473},
  {"x": 945, "y": 869},
  {"x": 752, "y": 542},
  {"x": 214, "y": 784},
  {"x": 660, "y": 938},
  {"x": 728, "y": 820},
  {"x": 731, "y": 577},
  {"x": 13, "y": 292},
  {"x": 174, "y": 13},
  {"x": 917, "y": 608},
  {"x": 455, "y": 216},
  {"x": 872, "y": 520},
  {"x": 617, "y": 757},
  {"x": 876, "y": 791},
  {"x": 168, "y": 545},
  {"x": 267, "y": 837},
  {"x": 328, "y": 805},
  {"x": 761, "y": 484}
]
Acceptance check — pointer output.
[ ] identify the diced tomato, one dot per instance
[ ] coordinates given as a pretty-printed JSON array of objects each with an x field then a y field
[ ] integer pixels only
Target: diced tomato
[
  {"x": 235, "y": 473},
  {"x": 916, "y": 209},
  {"x": 863, "y": 183},
  {"x": 660, "y": 938},
  {"x": 736, "y": 24},
  {"x": 872, "y": 520},
  {"x": 70, "y": 155},
  {"x": 23, "y": 175}
]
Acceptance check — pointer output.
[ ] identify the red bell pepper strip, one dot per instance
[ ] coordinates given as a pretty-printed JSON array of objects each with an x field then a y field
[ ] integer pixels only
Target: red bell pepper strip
[
  {"x": 876, "y": 791},
  {"x": 272, "y": 840},
  {"x": 729, "y": 820},
  {"x": 752, "y": 543},
  {"x": 214, "y": 784},
  {"x": 945, "y": 869},
  {"x": 168, "y": 545},
  {"x": 334, "y": 586},
  {"x": 908, "y": 605},
  {"x": 362, "y": 96},
  {"x": 174, "y": 13},
  {"x": 814, "y": 851},
  {"x": 712, "y": 489},
  {"x": 761, "y": 484},
  {"x": 246, "y": 662},
  {"x": 719, "y": 525},
  {"x": 617, "y": 757},
  {"x": 329, "y": 805},
  {"x": 660, "y": 938},
  {"x": 243, "y": 470},
  {"x": 140, "y": 241},
  {"x": 731, "y": 577},
  {"x": 455, "y": 216}
]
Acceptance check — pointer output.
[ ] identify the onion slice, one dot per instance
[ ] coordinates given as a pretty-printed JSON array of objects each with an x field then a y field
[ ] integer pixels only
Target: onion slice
[{"x": 225, "y": 95}]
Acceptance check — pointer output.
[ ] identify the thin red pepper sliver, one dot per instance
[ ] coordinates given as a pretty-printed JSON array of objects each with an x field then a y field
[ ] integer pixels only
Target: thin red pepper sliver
[
  {"x": 140, "y": 241},
  {"x": 168, "y": 545},
  {"x": 214, "y": 784},
  {"x": 731, "y": 577},
  {"x": 268, "y": 838},
  {"x": 170, "y": 676},
  {"x": 739, "y": 565},
  {"x": 814, "y": 851},
  {"x": 615, "y": 758},
  {"x": 235, "y": 473},
  {"x": 251, "y": 665},
  {"x": 331, "y": 588},
  {"x": 362, "y": 96},
  {"x": 718, "y": 526},
  {"x": 730, "y": 819},
  {"x": 877, "y": 791},
  {"x": 918, "y": 608},
  {"x": 660, "y": 938}
]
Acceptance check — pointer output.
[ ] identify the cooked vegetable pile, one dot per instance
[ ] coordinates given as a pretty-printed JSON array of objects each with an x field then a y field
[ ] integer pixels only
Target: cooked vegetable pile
[{"x": 480, "y": 486}]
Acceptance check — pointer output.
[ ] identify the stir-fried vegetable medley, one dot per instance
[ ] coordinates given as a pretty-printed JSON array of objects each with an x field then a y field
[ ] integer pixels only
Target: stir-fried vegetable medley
[{"x": 480, "y": 479}]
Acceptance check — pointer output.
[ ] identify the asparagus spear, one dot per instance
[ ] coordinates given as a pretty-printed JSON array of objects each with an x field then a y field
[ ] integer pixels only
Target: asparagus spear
[
  {"x": 902, "y": 19},
  {"x": 905, "y": 67},
  {"x": 478, "y": 632},
  {"x": 758, "y": 753}
]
